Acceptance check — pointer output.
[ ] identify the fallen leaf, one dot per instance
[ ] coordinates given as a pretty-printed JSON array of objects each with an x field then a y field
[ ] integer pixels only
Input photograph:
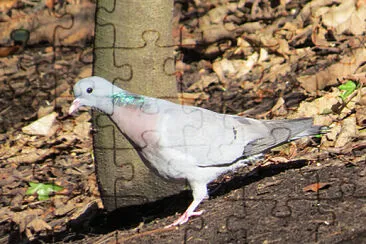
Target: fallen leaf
[
  {"x": 346, "y": 18},
  {"x": 361, "y": 115},
  {"x": 82, "y": 129},
  {"x": 35, "y": 226},
  {"x": 316, "y": 187},
  {"x": 348, "y": 131},
  {"x": 7, "y": 51},
  {"x": 190, "y": 98},
  {"x": 43, "y": 190},
  {"x": 31, "y": 157},
  {"x": 204, "y": 82},
  {"x": 348, "y": 88},
  {"x": 85, "y": 72},
  {"x": 320, "y": 108},
  {"x": 42, "y": 126},
  {"x": 6, "y": 5},
  {"x": 330, "y": 76},
  {"x": 65, "y": 209},
  {"x": 228, "y": 70},
  {"x": 38, "y": 225},
  {"x": 50, "y": 4},
  {"x": 45, "y": 110}
]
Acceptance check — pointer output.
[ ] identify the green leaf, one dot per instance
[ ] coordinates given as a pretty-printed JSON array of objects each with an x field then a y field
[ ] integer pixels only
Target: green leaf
[
  {"x": 43, "y": 190},
  {"x": 348, "y": 88}
]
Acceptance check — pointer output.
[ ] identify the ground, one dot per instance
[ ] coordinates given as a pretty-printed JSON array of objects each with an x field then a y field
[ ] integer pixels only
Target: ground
[{"x": 261, "y": 59}]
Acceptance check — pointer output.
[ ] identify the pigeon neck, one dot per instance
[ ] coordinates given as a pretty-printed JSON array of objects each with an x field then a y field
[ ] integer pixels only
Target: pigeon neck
[{"x": 124, "y": 98}]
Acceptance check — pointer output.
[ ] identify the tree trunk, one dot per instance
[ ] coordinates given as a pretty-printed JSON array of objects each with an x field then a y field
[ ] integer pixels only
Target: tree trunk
[{"x": 133, "y": 49}]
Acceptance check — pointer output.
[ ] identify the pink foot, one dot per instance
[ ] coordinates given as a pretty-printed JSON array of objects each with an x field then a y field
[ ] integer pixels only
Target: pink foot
[{"x": 184, "y": 218}]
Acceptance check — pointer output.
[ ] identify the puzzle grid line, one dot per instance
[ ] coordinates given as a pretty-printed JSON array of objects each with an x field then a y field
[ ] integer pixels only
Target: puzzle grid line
[{"x": 240, "y": 233}]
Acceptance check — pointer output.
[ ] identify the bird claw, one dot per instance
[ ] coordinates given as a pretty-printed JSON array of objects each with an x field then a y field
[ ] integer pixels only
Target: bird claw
[{"x": 184, "y": 218}]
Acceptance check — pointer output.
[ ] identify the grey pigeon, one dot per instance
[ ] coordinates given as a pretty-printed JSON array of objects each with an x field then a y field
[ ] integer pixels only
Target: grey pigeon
[{"x": 182, "y": 142}]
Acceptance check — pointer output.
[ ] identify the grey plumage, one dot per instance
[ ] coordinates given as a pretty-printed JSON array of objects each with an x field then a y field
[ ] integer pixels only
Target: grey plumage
[{"x": 185, "y": 142}]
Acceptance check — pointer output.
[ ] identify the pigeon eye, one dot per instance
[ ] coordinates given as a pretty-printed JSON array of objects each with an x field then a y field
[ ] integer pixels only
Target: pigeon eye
[{"x": 89, "y": 90}]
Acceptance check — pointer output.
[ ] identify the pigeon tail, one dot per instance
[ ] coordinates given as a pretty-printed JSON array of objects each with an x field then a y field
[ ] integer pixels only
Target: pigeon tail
[
  {"x": 282, "y": 131},
  {"x": 312, "y": 131}
]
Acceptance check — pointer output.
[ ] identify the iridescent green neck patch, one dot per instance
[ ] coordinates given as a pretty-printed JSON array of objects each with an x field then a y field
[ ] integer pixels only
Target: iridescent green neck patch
[{"x": 125, "y": 98}]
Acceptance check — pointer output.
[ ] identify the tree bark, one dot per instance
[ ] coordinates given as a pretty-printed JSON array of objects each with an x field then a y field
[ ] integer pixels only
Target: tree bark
[{"x": 134, "y": 49}]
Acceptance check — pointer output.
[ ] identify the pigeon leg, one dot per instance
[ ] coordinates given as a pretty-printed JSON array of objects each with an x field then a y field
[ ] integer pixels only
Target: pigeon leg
[{"x": 199, "y": 193}]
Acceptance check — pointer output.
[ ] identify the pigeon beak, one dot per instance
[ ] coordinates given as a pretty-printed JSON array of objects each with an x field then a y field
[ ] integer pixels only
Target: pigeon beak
[{"x": 74, "y": 106}]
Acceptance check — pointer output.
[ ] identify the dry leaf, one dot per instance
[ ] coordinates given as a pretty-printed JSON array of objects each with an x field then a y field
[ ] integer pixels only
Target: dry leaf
[
  {"x": 346, "y": 18},
  {"x": 6, "y": 5},
  {"x": 316, "y": 187},
  {"x": 31, "y": 157},
  {"x": 64, "y": 209},
  {"x": 348, "y": 131},
  {"x": 44, "y": 110},
  {"x": 36, "y": 225},
  {"x": 204, "y": 82},
  {"x": 82, "y": 129},
  {"x": 361, "y": 116},
  {"x": 320, "y": 109},
  {"x": 42, "y": 24},
  {"x": 50, "y": 4},
  {"x": 42, "y": 126},
  {"x": 279, "y": 108},
  {"x": 6, "y": 51},
  {"x": 330, "y": 76},
  {"x": 190, "y": 98},
  {"x": 228, "y": 70},
  {"x": 86, "y": 71}
]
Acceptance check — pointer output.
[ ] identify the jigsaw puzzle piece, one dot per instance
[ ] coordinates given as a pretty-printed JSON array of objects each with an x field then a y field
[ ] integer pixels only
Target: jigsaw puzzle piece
[
  {"x": 348, "y": 186},
  {"x": 226, "y": 229},
  {"x": 198, "y": 136},
  {"x": 253, "y": 222},
  {"x": 126, "y": 68},
  {"x": 74, "y": 24},
  {"x": 344, "y": 197},
  {"x": 311, "y": 221},
  {"x": 122, "y": 171}
]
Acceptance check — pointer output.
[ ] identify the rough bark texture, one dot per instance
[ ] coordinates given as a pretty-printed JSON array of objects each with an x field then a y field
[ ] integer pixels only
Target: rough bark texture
[{"x": 134, "y": 49}]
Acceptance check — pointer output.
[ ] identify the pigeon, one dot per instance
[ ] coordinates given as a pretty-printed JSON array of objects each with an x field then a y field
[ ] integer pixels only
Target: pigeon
[{"x": 181, "y": 142}]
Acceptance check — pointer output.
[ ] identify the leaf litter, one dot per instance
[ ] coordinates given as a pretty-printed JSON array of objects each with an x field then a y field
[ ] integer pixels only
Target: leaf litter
[{"x": 288, "y": 59}]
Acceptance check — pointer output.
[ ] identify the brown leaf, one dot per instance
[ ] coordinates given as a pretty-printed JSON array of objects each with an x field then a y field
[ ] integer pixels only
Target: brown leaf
[
  {"x": 50, "y": 4},
  {"x": 346, "y": 18},
  {"x": 36, "y": 225},
  {"x": 316, "y": 187},
  {"x": 190, "y": 98},
  {"x": 23, "y": 218},
  {"x": 44, "y": 26},
  {"x": 85, "y": 71},
  {"x": 32, "y": 157},
  {"x": 204, "y": 82},
  {"x": 348, "y": 131},
  {"x": 45, "y": 110},
  {"x": 82, "y": 129},
  {"x": 6, "y": 51},
  {"x": 330, "y": 76},
  {"x": 6, "y": 5},
  {"x": 65, "y": 209},
  {"x": 228, "y": 70},
  {"x": 361, "y": 115}
]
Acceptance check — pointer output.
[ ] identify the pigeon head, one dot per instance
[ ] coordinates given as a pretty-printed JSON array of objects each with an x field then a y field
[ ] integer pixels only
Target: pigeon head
[{"x": 94, "y": 92}]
